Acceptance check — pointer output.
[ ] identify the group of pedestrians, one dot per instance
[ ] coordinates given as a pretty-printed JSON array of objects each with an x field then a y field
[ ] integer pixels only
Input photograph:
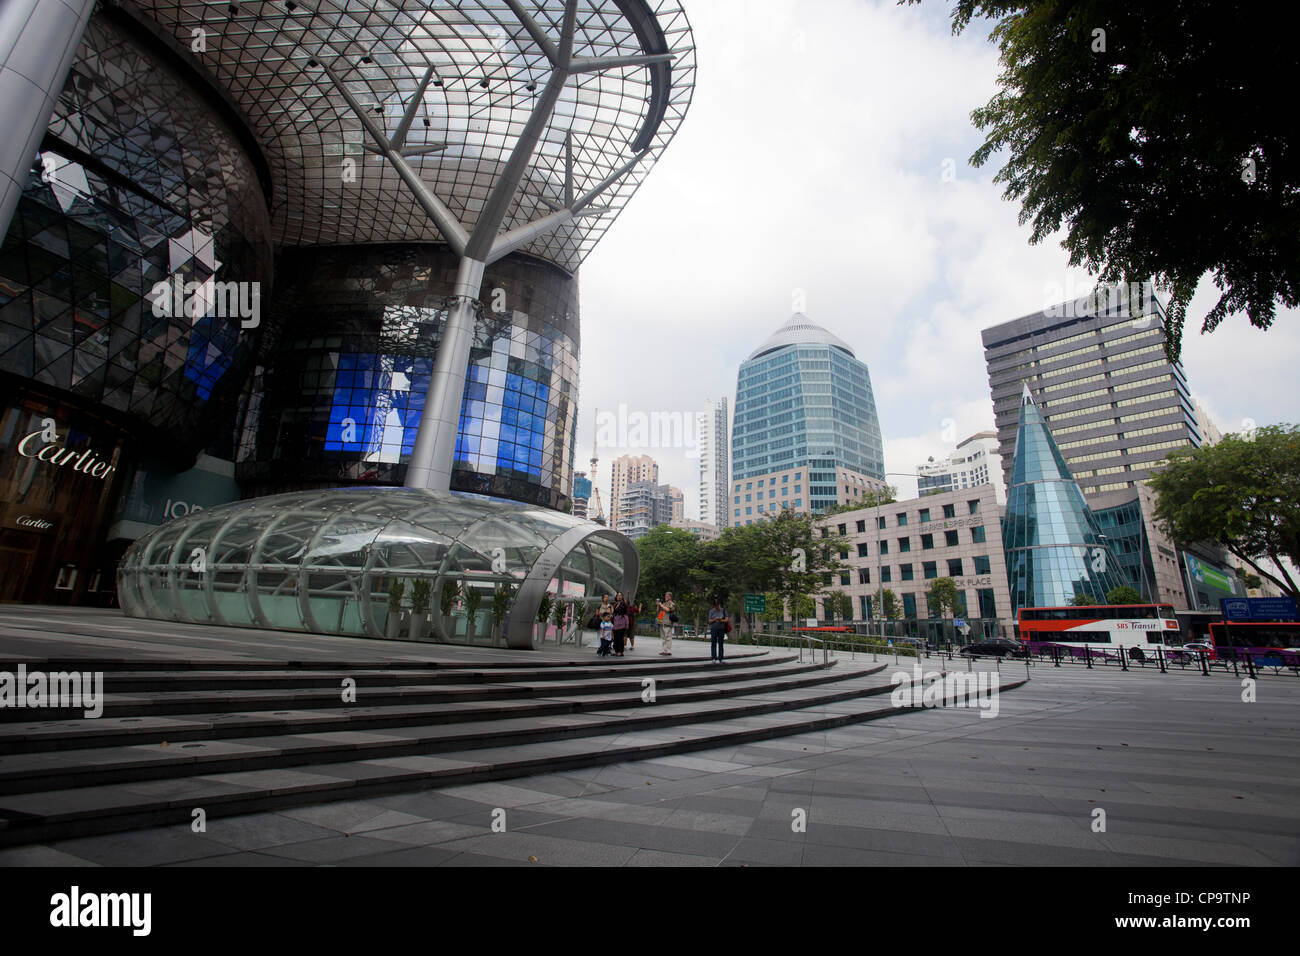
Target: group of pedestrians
[{"x": 617, "y": 622}]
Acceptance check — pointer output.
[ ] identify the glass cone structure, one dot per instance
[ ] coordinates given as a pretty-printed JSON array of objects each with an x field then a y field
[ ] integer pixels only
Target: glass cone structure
[
  {"x": 1053, "y": 546},
  {"x": 329, "y": 563}
]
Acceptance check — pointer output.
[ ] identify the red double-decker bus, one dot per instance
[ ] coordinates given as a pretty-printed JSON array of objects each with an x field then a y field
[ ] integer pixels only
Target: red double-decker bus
[{"x": 1116, "y": 625}]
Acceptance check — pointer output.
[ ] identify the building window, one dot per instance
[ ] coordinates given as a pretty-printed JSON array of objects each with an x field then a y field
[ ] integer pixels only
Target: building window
[
  {"x": 749, "y": 497},
  {"x": 988, "y": 606},
  {"x": 749, "y": 485},
  {"x": 864, "y": 575},
  {"x": 904, "y": 544},
  {"x": 785, "y": 492},
  {"x": 844, "y": 577},
  {"x": 885, "y": 575},
  {"x": 925, "y": 515},
  {"x": 884, "y": 547},
  {"x": 927, "y": 542},
  {"x": 862, "y": 527},
  {"x": 843, "y": 530},
  {"x": 977, "y": 535},
  {"x": 902, "y": 520},
  {"x": 797, "y": 490},
  {"x": 760, "y": 509},
  {"x": 909, "y": 606},
  {"x": 785, "y": 479},
  {"x": 905, "y": 572},
  {"x": 950, "y": 539},
  {"x": 954, "y": 567},
  {"x": 862, "y": 551},
  {"x": 974, "y": 506},
  {"x": 880, "y": 523},
  {"x": 950, "y": 511},
  {"x": 749, "y": 511},
  {"x": 771, "y": 493},
  {"x": 982, "y": 564},
  {"x": 929, "y": 570},
  {"x": 798, "y": 502}
]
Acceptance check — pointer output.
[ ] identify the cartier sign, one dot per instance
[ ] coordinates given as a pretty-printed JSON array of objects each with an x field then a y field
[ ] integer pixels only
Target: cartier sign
[
  {"x": 33, "y": 520},
  {"x": 45, "y": 445}
]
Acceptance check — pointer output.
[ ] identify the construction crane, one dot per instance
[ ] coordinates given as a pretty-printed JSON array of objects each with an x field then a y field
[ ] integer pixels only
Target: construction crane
[{"x": 598, "y": 515}]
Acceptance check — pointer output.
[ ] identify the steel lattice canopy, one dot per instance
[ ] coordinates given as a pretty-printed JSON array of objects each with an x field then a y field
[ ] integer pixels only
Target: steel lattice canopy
[{"x": 266, "y": 60}]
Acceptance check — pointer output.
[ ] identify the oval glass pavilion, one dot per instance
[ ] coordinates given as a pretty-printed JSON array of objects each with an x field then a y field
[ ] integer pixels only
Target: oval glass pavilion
[{"x": 324, "y": 562}]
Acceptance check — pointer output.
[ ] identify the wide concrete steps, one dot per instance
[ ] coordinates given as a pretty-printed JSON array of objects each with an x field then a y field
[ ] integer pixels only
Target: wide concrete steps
[{"x": 63, "y": 778}]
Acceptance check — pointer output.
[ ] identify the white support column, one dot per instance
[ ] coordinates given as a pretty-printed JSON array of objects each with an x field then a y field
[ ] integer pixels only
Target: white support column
[
  {"x": 38, "y": 39},
  {"x": 435, "y": 443}
]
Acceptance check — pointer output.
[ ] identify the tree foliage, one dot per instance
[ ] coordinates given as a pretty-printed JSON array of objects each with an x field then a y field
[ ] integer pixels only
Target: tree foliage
[
  {"x": 943, "y": 597},
  {"x": 1151, "y": 133},
  {"x": 1243, "y": 493},
  {"x": 1123, "y": 594},
  {"x": 784, "y": 557}
]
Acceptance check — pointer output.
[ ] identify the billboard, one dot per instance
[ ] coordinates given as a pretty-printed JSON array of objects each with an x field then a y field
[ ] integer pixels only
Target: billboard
[{"x": 1259, "y": 609}]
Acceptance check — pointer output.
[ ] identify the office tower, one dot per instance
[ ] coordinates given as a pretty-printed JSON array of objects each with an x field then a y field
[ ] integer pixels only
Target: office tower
[
  {"x": 805, "y": 420},
  {"x": 1114, "y": 402},
  {"x": 711, "y": 430}
]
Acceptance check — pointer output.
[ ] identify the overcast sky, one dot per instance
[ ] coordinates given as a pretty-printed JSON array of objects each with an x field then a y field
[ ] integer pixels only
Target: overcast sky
[{"x": 812, "y": 163}]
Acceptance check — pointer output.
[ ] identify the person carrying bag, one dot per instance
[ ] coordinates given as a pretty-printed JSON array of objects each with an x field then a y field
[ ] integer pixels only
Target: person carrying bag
[{"x": 667, "y": 622}]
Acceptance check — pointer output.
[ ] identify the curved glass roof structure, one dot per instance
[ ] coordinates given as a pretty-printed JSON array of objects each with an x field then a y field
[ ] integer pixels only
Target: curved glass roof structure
[
  {"x": 800, "y": 330},
  {"x": 452, "y": 85},
  {"x": 328, "y": 562}
]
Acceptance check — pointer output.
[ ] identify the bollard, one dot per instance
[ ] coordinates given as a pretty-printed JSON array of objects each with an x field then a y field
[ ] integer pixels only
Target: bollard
[
  {"x": 1087, "y": 655},
  {"x": 1205, "y": 664},
  {"x": 1160, "y": 658},
  {"x": 1056, "y": 654},
  {"x": 1123, "y": 664}
]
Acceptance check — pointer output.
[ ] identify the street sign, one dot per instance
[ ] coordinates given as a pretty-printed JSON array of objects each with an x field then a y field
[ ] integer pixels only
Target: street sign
[
  {"x": 755, "y": 603},
  {"x": 1259, "y": 609}
]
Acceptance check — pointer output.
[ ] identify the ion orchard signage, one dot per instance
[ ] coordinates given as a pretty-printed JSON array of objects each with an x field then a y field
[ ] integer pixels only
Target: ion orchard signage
[{"x": 44, "y": 445}]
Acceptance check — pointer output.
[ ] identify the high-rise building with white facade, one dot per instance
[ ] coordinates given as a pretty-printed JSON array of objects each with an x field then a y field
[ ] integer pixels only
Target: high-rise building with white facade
[
  {"x": 712, "y": 430},
  {"x": 973, "y": 462}
]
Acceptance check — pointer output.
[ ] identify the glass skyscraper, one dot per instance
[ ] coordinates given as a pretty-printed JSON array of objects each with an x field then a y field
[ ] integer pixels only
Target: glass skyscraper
[
  {"x": 1054, "y": 547},
  {"x": 804, "y": 401}
]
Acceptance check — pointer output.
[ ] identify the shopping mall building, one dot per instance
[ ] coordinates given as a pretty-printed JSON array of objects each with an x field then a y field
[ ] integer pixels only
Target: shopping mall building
[{"x": 241, "y": 237}]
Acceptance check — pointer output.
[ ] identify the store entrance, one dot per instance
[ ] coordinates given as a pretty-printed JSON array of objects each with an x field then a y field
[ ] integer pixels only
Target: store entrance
[{"x": 18, "y": 563}]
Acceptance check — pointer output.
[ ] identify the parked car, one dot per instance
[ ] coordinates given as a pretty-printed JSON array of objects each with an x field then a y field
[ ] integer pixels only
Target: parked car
[{"x": 995, "y": 647}]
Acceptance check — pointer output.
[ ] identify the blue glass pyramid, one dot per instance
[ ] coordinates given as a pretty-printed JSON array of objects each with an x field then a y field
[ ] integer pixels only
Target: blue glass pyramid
[{"x": 1053, "y": 546}]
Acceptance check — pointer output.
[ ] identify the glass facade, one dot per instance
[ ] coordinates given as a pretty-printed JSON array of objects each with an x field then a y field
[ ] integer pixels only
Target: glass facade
[
  {"x": 140, "y": 182},
  {"x": 331, "y": 563},
  {"x": 803, "y": 398},
  {"x": 1053, "y": 546},
  {"x": 341, "y": 403}
]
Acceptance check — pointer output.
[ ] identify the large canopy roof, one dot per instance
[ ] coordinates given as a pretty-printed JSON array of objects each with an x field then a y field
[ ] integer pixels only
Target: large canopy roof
[{"x": 267, "y": 60}]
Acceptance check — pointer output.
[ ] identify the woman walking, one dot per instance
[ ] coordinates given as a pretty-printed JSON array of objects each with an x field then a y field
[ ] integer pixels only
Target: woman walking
[
  {"x": 620, "y": 623},
  {"x": 667, "y": 621}
]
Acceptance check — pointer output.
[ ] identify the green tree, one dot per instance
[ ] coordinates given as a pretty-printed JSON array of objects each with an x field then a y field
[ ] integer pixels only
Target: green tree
[
  {"x": 837, "y": 604},
  {"x": 775, "y": 612},
  {"x": 1243, "y": 493},
  {"x": 804, "y": 607},
  {"x": 1148, "y": 132},
  {"x": 1123, "y": 594},
  {"x": 1083, "y": 600},
  {"x": 943, "y": 597},
  {"x": 892, "y": 607}
]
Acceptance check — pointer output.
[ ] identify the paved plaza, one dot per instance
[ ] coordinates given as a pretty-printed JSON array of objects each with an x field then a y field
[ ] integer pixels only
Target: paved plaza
[{"x": 1186, "y": 772}]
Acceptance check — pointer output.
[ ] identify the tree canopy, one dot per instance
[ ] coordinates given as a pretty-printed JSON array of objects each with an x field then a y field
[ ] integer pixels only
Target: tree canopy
[
  {"x": 1152, "y": 133},
  {"x": 1243, "y": 493},
  {"x": 1123, "y": 594}
]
